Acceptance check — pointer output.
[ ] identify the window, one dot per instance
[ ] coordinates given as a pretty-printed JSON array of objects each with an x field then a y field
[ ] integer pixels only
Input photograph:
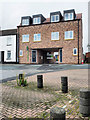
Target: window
[
  {"x": 37, "y": 37},
  {"x": 36, "y": 20},
  {"x": 9, "y": 42},
  {"x": 68, "y": 16},
  {"x": 55, "y": 36},
  {"x": 75, "y": 51},
  {"x": 25, "y": 38},
  {"x": 21, "y": 53},
  {"x": 25, "y": 21},
  {"x": 54, "y": 18},
  {"x": 68, "y": 34},
  {"x": 8, "y": 55}
]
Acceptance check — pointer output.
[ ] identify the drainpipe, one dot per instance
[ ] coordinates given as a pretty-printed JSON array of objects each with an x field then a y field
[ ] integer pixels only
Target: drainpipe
[
  {"x": 18, "y": 45},
  {"x": 78, "y": 41}
]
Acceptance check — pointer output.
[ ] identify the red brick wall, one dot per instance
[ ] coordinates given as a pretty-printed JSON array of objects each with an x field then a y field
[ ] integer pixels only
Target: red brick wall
[{"x": 46, "y": 42}]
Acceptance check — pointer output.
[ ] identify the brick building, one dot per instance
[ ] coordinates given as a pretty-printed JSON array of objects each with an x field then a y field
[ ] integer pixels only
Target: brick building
[{"x": 57, "y": 39}]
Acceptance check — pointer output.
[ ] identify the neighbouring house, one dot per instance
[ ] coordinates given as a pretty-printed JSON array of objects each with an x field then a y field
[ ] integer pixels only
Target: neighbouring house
[
  {"x": 57, "y": 39},
  {"x": 87, "y": 57},
  {"x": 8, "y": 46}
]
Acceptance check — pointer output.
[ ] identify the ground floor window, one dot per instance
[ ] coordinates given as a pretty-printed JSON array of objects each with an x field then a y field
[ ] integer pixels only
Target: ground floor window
[
  {"x": 75, "y": 51},
  {"x": 21, "y": 53},
  {"x": 34, "y": 56},
  {"x": 8, "y": 55}
]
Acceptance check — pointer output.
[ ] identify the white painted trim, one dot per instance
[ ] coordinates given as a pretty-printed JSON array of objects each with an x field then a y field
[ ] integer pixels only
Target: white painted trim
[{"x": 55, "y": 18}]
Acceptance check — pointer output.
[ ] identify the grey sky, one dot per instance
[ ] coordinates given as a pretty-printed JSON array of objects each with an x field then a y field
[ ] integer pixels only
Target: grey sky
[{"x": 13, "y": 11}]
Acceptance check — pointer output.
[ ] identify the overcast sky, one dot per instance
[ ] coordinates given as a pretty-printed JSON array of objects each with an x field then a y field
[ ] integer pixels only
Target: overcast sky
[{"x": 12, "y": 12}]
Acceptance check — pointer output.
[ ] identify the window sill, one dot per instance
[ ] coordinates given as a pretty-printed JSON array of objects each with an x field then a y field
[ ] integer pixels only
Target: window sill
[
  {"x": 37, "y": 41},
  {"x": 55, "y": 21},
  {"x": 25, "y": 42},
  {"x": 55, "y": 40},
  {"x": 68, "y": 39},
  {"x": 9, "y": 44},
  {"x": 75, "y": 55},
  {"x": 25, "y": 25},
  {"x": 20, "y": 56},
  {"x": 68, "y": 19},
  {"x": 8, "y": 59}
]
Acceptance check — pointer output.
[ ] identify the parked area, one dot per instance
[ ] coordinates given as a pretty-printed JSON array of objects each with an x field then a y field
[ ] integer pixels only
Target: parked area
[{"x": 33, "y": 102}]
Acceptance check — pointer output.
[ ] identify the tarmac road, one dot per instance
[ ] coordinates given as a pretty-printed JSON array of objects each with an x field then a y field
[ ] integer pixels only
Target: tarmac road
[{"x": 8, "y": 72}]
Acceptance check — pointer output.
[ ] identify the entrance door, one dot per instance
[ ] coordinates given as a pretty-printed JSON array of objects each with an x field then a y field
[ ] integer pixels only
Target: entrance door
[
  {"x": 34, "y": 52},
  {"x": 45, "y": 57},
  {"x": 2, "y": 57},
  {"x": 60, "y": 55}
]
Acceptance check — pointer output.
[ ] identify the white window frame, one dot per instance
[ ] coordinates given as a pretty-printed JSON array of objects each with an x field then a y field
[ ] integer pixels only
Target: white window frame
[
  {"x": 9, "y": 41},
  {"x": 7, "y": 55},
  {"x": 76, "y": 51},
  {"x": 54, "y": 36},
  {"x": 68, "y": 16},
  {"x": 25, "y": 38},
  {"x": 37, "y": 37},
  {"x": 25, "y": 21},
  {"x": 21, "y": 51},
  {"x": 67, "y": 35},
  {"x": 37, "y": 20},
  {"x": 36, "y": 56},
  {"x": 54, "y": 18}
]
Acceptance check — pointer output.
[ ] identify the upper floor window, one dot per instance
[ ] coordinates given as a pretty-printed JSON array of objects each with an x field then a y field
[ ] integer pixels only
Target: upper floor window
[
  {"x": 68, "y": 34},
  {"x": 9, "y": 41},
  {"x": 25, "y": 21},
  {"x": 68, "y": 16},
  {"x": 25, "y": 38},
  {"x": 37, "y": 20},
  {"x": 54, "y": 18},
  {"x": 21, "y": 53},
  {"x": 8, "y": 55},
  {"x": 37, "y": 37},
  {"x": 55, "y": 36},
  {"x": 75, "y": 51}
]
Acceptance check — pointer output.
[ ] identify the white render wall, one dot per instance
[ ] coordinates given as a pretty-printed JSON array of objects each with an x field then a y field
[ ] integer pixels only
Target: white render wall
[{"x": 4, "y": 47}]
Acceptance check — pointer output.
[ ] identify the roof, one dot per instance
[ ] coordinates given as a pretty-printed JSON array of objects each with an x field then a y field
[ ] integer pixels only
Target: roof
[
  {"x": 47, "y": 20},
  {"x": 8, "y": 32},
  {"x": 78, "y": 16}
]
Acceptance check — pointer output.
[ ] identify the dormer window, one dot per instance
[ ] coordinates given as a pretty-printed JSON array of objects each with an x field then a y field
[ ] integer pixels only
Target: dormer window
[
  {"x": 68, "y": 16},
  {"x": 54, "y": 18},
  {"x": 25, "y": 22},
  {"x": 37, "y": 20}
]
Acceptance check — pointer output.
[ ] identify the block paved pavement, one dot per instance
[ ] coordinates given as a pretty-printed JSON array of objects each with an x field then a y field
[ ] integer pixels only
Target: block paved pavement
[{"x": 22, "y": 103}]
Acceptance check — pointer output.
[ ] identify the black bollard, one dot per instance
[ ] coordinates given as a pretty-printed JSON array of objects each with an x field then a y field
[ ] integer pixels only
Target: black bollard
[
  {"x": 40, "y": 81},
  {"x": 21, "y": 76},
  {"x": 64, "y": 83},
  {"x": 84, "y": 104},
  {"x": 57, "y": 113}
]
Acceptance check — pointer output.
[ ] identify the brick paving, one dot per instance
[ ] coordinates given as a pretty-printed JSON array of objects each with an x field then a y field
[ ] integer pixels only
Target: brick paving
[{"x": 31, "y": 103}]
